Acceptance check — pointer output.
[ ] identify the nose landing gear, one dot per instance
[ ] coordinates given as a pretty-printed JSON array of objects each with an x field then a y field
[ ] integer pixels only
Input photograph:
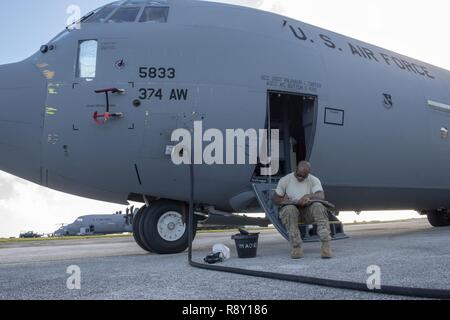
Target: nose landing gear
[{"x": 162, "y": 227}]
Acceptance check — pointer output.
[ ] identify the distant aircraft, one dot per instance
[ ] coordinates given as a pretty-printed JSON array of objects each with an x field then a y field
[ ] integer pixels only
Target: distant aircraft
[
  {"x": 92, "y": 113},
  {"x": 99, "y": 224}
]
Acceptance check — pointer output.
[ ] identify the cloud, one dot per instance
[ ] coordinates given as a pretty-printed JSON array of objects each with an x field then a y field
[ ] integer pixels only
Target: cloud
[
  {"x": 30, "y": 207},
  {"x": 6, "y": 189}
]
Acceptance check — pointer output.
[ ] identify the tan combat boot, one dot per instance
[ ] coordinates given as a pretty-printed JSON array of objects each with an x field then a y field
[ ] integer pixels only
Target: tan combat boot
[
  {"x": 326, "y": 250},
  {"x": 297, "y": 253}
]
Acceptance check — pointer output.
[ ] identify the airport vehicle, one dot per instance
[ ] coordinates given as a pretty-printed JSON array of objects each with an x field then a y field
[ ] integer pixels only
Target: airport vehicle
[
  {"x": 29, "y": 235},
  {"x": 93, "y": 113}
]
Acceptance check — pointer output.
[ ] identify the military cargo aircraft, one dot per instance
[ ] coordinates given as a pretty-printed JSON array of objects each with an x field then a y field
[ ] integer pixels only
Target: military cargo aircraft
[
  {"x": 93, "y": 112},
  {"x": 99, "y": 224}
]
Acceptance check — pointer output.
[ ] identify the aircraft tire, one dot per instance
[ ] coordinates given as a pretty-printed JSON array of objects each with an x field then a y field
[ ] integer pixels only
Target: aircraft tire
[
  {"x": 161, "y": 229},
  {"x": 438, "y": 219},
  {"x": 136, "y": 225}
]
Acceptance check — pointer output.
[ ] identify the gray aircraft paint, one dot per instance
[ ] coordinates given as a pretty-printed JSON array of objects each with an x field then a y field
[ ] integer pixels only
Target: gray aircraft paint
[
  {"x": 103, "y": 224},
  {"x": 373, "y": 155}
]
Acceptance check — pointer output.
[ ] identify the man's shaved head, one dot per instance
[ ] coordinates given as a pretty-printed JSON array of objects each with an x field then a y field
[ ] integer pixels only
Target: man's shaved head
[
  {"x": 304, "y": 165},
  {"x": 303, "y": 171}
]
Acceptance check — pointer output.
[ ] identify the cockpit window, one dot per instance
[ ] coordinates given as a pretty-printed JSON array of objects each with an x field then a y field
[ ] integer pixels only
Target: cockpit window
[
  {"x": 147, "y": 2},
  {"x": 125, "y": 14},
  {"x": 156, "y": 14},
  {"x": 130, "y": 11},
  {"x": 87, "y": 59},
  {"x": 102, "y": 14}
]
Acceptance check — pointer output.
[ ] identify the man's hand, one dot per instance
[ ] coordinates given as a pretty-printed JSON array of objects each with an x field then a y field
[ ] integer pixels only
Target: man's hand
[
  {"x": 278, "y": 200},
  {"x": 303, "y": 202},
  {"x": 306, "y": 200}
]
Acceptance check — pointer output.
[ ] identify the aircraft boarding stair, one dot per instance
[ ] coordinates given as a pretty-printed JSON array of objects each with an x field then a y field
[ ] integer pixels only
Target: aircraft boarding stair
[{"x": 264, "y": 192}]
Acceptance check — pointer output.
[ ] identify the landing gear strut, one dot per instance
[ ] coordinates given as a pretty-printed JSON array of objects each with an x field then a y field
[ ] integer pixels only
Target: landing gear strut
[{"x": 162, "y": 227}]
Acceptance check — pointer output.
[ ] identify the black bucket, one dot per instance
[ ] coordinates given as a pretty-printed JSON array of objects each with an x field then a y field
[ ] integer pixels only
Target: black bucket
[{"x": 246, "y": 244}]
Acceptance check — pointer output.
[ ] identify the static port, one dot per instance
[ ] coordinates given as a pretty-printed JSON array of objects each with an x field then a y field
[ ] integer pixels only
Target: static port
[{"x": 137, "y": 103}]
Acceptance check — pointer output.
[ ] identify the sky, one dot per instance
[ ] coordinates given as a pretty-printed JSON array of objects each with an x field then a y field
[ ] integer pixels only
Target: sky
[{"x": 414, "y": 28}]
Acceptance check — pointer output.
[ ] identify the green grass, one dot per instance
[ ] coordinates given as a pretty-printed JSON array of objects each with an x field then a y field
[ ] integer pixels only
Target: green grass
[{"x": 7, "y": 240}]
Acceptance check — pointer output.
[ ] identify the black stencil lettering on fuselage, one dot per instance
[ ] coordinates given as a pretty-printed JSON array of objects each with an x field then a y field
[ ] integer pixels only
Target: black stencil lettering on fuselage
[
  {"x": 297, "y": 31},
  {"x": 386, "y": 58},
  {"x": 300, "y": 34},
  {"x": 427, "y": 73},
  {"x": 179, "y": 94},
  {"x": 402, "y": 64},
  {"x": 161, "y": 94},
  {"x": 354, "y": 50},
  {"x": 417, "y": 68},
  {"x": 388, "y": 102},
  {"x": 364, "y": 52},
  {"x": 327, "y": 41},
  {"x": 156, "y": 73},
  {"x": 399, "y": 63},
  {"x": 150, "y": 93},
  {"x": 408, "y": 66},
  {"x": 370, "y": 54}
]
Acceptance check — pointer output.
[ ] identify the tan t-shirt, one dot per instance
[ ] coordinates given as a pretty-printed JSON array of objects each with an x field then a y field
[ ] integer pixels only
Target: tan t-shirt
[{"x": 296, "y": 190}]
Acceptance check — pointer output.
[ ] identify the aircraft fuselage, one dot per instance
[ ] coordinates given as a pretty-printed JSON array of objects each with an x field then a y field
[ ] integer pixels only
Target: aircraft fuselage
[{"x": 377, "y": 136}]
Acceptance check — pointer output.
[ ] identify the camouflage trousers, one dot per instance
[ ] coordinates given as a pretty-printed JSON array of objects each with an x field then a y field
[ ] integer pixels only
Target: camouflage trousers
[{"x": 314, "y": 214}]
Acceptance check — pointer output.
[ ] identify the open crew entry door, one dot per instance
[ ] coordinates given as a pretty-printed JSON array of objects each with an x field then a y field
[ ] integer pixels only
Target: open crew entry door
[{"x": 293, "y": 115}]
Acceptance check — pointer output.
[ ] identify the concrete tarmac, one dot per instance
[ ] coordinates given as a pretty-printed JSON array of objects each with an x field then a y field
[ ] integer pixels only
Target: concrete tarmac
[{"x": 410, "y": 253}]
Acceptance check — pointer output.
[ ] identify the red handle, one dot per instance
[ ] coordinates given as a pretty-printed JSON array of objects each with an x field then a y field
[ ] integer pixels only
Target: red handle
[{"x": 105, "y": 117}]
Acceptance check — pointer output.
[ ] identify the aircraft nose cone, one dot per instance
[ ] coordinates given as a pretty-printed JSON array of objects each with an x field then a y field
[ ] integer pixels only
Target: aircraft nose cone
[{"x": 22, "y": 101}]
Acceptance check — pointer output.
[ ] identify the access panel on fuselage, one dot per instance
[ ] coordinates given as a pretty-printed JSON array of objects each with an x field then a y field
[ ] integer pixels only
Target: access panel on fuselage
[{"x": 76, "y": 147}]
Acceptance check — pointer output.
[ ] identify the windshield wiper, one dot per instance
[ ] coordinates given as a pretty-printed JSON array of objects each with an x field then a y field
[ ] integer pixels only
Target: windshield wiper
[{"x": 84, "y": 18}]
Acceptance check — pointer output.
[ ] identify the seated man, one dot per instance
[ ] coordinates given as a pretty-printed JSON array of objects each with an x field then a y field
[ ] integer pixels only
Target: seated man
[{"x": 294, "y": 194}]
